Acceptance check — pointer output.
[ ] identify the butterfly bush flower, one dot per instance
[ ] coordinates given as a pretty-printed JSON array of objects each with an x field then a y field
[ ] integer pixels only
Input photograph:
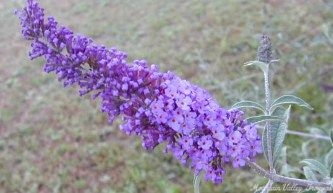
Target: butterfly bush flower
[{"x": 159, "y": 107}]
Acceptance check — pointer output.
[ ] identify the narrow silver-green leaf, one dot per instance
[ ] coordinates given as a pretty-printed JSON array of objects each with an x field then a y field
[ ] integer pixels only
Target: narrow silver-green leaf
[
  {"x": 280, "y": 130},
  {"x": 323, "y": 190},
  {"x": 331, "y": 136},
  {"x": 326, "y": 30},
  {"x": 283, "y": 162},
  {"x": 265, "y": 143},
  {"x": 329, "y": 162},
  {"x": 317, "y": 166},
  {"x": 283, "y": 155},
  {"x": 305, "y": 148},
  {"x": 262, "y": 118},
  {"x": 289, "y": 99},
  {"x": 309, "y": 174},
  {"x": 329, "y": 158},
  {"x": 263, "y": 66},
  {"x": 317, "y": 131},
  {"x": 248, "y": 104}
]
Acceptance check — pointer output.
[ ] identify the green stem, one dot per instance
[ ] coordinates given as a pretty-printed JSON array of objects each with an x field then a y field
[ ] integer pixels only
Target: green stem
[
  {"x": 268, "y": 126},
  {"x": 268, "y": 187},
  {"x": 196, "y": 183}
]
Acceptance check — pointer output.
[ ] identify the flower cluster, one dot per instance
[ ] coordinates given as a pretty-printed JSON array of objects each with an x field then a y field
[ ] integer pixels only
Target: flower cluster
[{"x": 159, "y": 107}]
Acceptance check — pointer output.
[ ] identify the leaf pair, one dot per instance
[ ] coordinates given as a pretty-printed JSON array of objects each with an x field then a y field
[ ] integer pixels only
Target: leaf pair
[
  {"x": 283, "y": 100},
  {"x": 278, "y": 131},
  {"x": 277, "y": 119}
]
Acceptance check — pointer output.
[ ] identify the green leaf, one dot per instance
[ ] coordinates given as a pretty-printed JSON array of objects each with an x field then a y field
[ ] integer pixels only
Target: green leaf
[
  {"x": 309, "y": 174},
  {"x": 326, "y": 30},
  {"x": 280, "y": 130},
  {"x": 283, "y": 155},
  {"x": 329, "y": 158},
  {"x": 263, "y": 66},
  {"x": 305, "y": 148},
  {"x": 248, "y": 104},
  {"x": 285, "y": 168},
  {"x": 289, "y": 99},
  {"x": 317, "y": 131},
  {"x": 264, "y": 143},
  {"x": 331, "y": 170},
  {"x": 262, "y": 118},
  {"x": 331, "y": 136},
  {"x": 316, "y": 166},
  {"x": 329, "y": 161},
  {"x": 278, "y": 133}
]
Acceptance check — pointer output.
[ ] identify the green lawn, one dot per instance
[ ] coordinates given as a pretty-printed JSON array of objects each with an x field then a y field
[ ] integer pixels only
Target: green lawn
[{"x": 51, "y": 140}]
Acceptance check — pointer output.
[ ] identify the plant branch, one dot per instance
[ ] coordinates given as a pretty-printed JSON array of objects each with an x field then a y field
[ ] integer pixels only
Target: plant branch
[
  {"x": 303, "y": 134},
  {"x": 283, "y": 179},
  {"x": 309, "y": 135}
]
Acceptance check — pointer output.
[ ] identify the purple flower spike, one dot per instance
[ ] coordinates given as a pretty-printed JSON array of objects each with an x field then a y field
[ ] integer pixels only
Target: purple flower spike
[{"x": 159, "y": 107}]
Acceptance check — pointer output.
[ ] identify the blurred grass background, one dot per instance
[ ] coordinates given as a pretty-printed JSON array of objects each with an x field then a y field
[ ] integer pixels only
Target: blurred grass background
[{"x": 51, "y": 140}]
